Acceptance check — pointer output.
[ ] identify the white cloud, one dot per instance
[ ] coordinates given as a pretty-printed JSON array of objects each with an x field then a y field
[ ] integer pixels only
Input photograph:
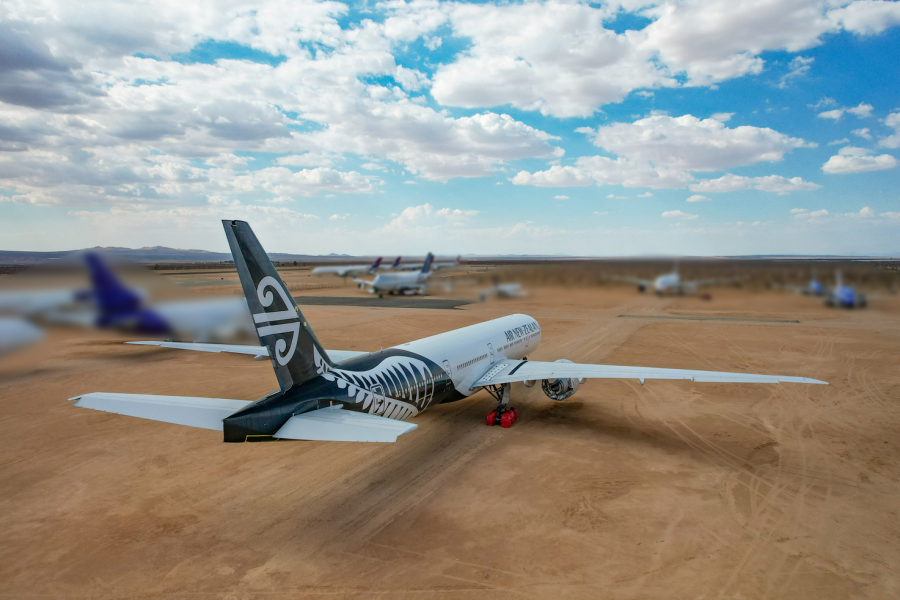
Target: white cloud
[
  {"x": 798, "y": 67},
  {"x": 645, "y": 195},
  {"x": 816, "y": 215},
  {"x": 690, "y": 143},
  {"x": 433, "y": 43},
  {"x": 614, "y": 197},
  {"x": 425, "y": 217},
  {"x": 768, "y": 183},
  {"x": 677, "y": 214},
  {"x": 832, "y": 114},
  {"x": 698, "y": 198},
  {"x": 855, "y": 160},
  {"x": 337, "y": 217},
  {"x": 410, "y": 182},
  {"x": 862, "y": 110},
  {"x": 892, "y": 141},
  {"x": 796, "y": 211},
  {"x": 723, "y": 116},
  {"x": 555, "y": 176},
  {"x": 863, "y": 133},
  {"x": 308, "y": 159},
  {"x": 560, "y": 197},
  {"x": 839, "y": 142}
]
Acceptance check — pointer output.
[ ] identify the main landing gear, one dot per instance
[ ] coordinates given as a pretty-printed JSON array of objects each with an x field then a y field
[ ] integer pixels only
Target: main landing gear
[{"x": 503, "y": 415}]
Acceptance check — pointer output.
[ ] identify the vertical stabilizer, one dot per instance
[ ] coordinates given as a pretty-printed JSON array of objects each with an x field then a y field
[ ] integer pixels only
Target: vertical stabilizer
[
  {"x": 279, "y": 323},
  {"x": 428, "y": 260}
]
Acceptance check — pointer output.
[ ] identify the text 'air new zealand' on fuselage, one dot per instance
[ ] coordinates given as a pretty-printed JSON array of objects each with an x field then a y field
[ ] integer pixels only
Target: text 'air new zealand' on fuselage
[{"x": 358, "y": 396}]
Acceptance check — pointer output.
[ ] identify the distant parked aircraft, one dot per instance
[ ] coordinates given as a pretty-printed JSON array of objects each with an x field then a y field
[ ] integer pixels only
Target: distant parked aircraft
[
  {"x": 813, "y": 288},
  {"x": 347, "y": 270},
  {"x": 399, "y": 283},
  {"x": 671, "y": 283},
  {"x": 367, "y": 396},
  {"x": 435, "y": 266},
  {"x": 844, "y": 296}
]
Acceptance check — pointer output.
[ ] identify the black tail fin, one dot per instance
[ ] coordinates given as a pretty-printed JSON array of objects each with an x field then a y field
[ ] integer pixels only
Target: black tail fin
[
  {"x": 428, "y": 260},
  {"x": 279, "y": 323}
]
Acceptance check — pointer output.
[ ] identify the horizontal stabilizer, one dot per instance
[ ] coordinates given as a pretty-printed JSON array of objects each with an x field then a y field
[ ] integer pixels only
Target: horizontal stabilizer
[
  {"x": 206, "y": 413},
  {"x": 251, "y": 350},
  {"x": 337, "y": 425},
  {"x": 517, "y": 370}
]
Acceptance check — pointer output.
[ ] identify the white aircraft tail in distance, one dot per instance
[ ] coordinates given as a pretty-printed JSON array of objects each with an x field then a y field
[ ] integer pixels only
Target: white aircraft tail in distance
[
  {"x": 369, "y": 396},
  {"x": 399, "y": 283}
]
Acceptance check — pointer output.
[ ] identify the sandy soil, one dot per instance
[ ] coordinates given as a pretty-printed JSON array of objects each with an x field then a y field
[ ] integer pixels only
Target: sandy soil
[{"x": 670, "y": 490}]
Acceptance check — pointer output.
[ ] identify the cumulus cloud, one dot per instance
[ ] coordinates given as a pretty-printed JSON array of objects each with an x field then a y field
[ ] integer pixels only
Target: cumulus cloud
[
  {"x": 863, "y": 133},
  {"x": 768, "y": 183},
  {"x": 698, "y": 198},
  {"x": 426, "y": 217},
  {"x": 857, "y": 160},
  {"x": 862, "y": 110},
  {"x": 560, "y": 197},
  {"x": 677, "y": 214},
  {"x": 690, "y": 143},
  {"x": 891, "y": 141}
]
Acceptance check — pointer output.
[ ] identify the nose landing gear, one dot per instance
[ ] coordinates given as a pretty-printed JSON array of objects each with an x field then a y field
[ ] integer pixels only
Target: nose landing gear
[{"x": 503, "y": 415}]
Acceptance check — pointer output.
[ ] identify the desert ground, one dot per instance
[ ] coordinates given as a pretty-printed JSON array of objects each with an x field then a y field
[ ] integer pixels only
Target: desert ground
[{"x": 667, "y": 490}]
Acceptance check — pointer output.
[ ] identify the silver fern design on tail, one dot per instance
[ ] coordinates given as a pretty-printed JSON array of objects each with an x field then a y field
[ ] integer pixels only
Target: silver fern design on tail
[{"x": 398, "y": 388}]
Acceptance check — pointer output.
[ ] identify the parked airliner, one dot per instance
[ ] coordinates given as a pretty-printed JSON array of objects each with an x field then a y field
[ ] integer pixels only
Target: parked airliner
[
  {"x": 368, "y": 396},
  {"x": 399, "y": 283},
  {"x": 344, "y": 271},
  {"x": 670, "y": 283}
]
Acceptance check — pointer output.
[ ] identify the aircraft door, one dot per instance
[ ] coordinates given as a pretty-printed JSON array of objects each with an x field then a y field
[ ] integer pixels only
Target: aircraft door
[
  {"x": 447, "y": 368},
  {"x": 491, "y": 352},
  {"x": 378, "y": 400}
]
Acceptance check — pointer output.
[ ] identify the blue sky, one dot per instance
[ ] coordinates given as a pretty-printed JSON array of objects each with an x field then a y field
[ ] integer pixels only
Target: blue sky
[{"x": 708, "y": 128}]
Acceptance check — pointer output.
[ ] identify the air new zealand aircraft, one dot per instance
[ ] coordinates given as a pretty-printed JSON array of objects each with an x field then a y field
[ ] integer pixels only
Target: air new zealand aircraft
[{"x": 367, "y": 397}]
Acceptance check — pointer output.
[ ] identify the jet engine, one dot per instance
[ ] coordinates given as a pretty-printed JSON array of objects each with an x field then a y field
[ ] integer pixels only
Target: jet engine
[{"x": 561, "y": 388}]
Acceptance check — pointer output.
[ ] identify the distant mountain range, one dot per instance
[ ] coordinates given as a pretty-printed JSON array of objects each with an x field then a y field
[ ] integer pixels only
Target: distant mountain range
[{"x": 155, "y": 254}]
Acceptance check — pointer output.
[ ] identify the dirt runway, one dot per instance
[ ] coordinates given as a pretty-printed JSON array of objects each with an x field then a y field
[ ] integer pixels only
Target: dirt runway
[{"x": 667, "y": 490}]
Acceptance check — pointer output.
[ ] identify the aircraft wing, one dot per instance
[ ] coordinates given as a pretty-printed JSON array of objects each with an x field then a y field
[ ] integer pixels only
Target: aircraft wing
[
  {"x": 257, "y": 352},
  {"x": 325, "y": 424},
  {"x": 509, "y": 371},
  {"x": 337, "y": 425},
  {"x": 205, "y": 413}
]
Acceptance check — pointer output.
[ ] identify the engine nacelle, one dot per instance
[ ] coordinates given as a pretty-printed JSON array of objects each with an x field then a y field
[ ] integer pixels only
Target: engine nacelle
[{"x": 562, "y": 388}]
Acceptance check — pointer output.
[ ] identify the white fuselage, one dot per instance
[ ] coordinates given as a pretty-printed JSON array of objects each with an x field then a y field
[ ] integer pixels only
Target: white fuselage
[
  {"x": 467, "y": 353},
  {"x": 399, "y": 282}
]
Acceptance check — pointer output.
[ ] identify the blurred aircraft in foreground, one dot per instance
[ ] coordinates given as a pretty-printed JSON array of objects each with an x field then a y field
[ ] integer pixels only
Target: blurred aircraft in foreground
[
  {"x": 671, "y": 283},
  {"x": 17, "y": 333},
  {"x": 120, "y": 307},
  {"x": 366, "y": 397},
  {"x": 37, "y": 302},
  {"x": 346, "y": 270},
  {"x": 399, "y": 283}
]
